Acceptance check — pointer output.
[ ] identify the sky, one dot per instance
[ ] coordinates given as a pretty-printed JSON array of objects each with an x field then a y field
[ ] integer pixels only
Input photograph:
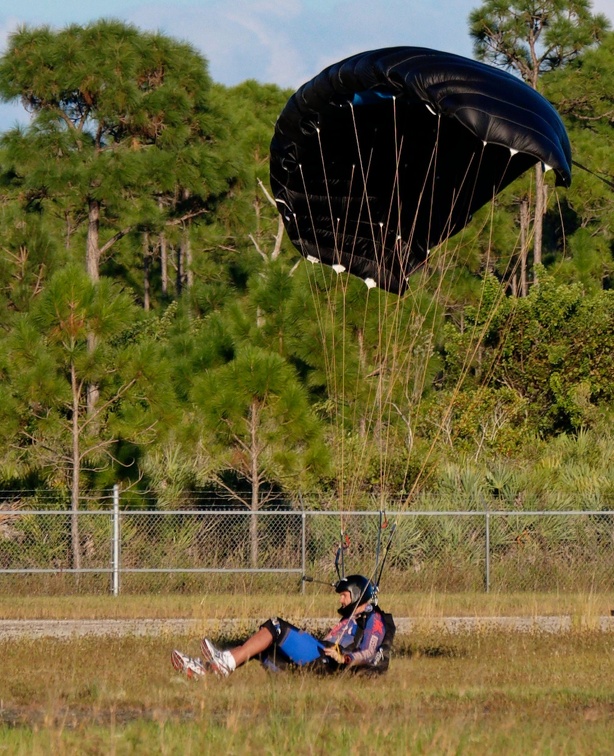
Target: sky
[{"x": 283, "y": 42}]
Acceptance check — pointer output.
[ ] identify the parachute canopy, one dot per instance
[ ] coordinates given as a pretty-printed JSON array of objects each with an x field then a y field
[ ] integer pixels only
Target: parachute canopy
[{"x": 386, "y": 154}]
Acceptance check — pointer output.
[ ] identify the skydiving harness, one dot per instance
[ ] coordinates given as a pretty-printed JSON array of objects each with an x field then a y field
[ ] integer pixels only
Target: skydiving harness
[{"x": 382, "y": 661}]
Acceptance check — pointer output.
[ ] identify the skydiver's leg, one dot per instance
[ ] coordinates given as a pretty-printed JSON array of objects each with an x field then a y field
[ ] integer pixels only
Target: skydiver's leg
[
  {"x": 275, "y": 638},
  {"x": 225, "y": 661},
  {"x": 254, "y": 645}
]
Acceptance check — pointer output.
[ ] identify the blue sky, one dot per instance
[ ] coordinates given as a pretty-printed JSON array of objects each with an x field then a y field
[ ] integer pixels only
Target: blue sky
[{"x": 284, "y": 42}]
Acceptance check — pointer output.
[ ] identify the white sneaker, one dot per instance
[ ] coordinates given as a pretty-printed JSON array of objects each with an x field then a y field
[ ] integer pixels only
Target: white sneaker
[
  {"x": 191, "y": 667},
  {"x": 221, "y": 662}
]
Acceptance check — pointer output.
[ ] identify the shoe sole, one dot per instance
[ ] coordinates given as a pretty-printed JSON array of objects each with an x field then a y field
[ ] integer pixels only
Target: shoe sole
[{"x": 177, "y": 661}]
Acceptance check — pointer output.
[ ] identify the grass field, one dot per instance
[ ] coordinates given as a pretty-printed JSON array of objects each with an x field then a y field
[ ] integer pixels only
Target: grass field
[
  {"x": 475, "y": 693},
  {"x": 319, "y": 602}
]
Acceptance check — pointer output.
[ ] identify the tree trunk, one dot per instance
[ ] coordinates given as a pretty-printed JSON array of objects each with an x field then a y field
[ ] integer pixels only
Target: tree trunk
[
  {"x": 93, "y": 241},
  {"x": 187, "y": 257},
  {"x": 92, "y": 264},
  {"x": 253, "y": 527},
  {"x": 92, "y": 391},
  {"x": 164, "y": 264},
  {"x": 74, "y": 503},
  {"x": 179, "y": 278}
]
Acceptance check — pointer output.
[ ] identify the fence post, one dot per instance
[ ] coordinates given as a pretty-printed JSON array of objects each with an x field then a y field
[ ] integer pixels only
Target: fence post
[
  {"x": 487, "y": 563},
  {"x": 116, "y": 540},
  {"x": 303, "y": 548}
]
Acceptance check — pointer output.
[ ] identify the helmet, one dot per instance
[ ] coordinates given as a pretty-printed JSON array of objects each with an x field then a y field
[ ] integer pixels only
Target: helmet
[{"x": 360, "y": 588}]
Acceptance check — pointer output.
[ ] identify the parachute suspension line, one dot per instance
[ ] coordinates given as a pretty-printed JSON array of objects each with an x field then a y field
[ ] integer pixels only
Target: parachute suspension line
[
  {"x": 448, "y": 229},
  {"x": 329, "y": 333},
  {"x": 344, "y": 544},
  {"x": 440, "y": 271},
  {"x": 364, "y": 176},
  {"x": 511, "y": 270},
  {"x": 388, "y": 330},
  {"x": 399, "y": 330},
  {"x": 381, "y": 357},
  {"x": 361, "y": 417},
  {"x": 404, "y": 330},
  {"x": 364, "y": 422},
  {"x": 396, "y": 330},
  {"x": 468, "y": 357},
  {"x": 347, "y": 208},
  {"x": 328, "y": 355},
  {"x": 434, "y": 176},
  {"x": 606, "y": 181},
  {"x": 333, "y": 220},
  {"x": 383, "y": 523},
  {"x": 357, "y": 414},
  {"x": 478, "y": 334},
  {"x": 368, "y": 408},
  {"x": 413, "y": 369},
  {"x": 560, "y": 209},
  {"x": 334, "y": 375},
  {"x": 311, "y": 219},
  {"x": 380, "y": 562},
  {"x": 476, "y": 339},
  {"x": 344, "y": 283}
]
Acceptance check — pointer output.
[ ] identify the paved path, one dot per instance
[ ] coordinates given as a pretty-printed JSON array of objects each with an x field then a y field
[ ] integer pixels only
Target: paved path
[{"x": 180, "y": 627}]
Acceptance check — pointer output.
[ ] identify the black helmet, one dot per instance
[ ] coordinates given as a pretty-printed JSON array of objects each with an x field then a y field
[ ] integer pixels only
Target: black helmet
[{"x": 360, "y": 588}]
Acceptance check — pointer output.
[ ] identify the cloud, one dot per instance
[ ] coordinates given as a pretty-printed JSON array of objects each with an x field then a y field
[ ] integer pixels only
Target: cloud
[{"x": 285, "y": 42}]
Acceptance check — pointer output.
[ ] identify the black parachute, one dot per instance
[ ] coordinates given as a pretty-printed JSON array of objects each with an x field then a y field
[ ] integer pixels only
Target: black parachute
[{"x": 386, "y": 154}]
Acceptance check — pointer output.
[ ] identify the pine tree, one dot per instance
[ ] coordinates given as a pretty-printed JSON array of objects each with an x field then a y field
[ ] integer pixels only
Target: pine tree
[
  {"x": 583, "y": 93},
  {"x": 47, "y": 365},
  {"x": 257, "y": 428},
  {"x": 123, "y": 135},
  {"x": 531, "y": 37}
]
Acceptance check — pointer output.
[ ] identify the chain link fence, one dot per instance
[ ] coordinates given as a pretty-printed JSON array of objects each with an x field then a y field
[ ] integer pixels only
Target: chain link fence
[{"x": 147, "y": 550}]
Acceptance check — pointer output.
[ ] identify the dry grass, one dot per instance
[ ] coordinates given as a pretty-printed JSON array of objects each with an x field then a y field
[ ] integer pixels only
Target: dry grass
[
  {"x": 315, "y": 603},
  {"x": 471, "y": 693},
  {"x": 445, "y": 694}
]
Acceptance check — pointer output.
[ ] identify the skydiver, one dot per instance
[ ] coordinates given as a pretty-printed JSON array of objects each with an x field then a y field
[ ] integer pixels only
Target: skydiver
[{"x": 361, "y": 641}]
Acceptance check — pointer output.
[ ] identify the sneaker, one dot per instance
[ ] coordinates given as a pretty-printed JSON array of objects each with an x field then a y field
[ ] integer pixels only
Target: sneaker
[
  {"x": 192, "y": 667},
  {"x": 221, "y": 662}
]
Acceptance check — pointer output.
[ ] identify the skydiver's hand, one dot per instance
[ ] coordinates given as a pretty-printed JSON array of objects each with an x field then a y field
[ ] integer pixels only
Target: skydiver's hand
[{"x": 334, "y": 653}]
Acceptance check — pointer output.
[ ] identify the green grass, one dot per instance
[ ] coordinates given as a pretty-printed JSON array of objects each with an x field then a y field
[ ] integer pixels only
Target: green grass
[{"x": 444, "y": 694}]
